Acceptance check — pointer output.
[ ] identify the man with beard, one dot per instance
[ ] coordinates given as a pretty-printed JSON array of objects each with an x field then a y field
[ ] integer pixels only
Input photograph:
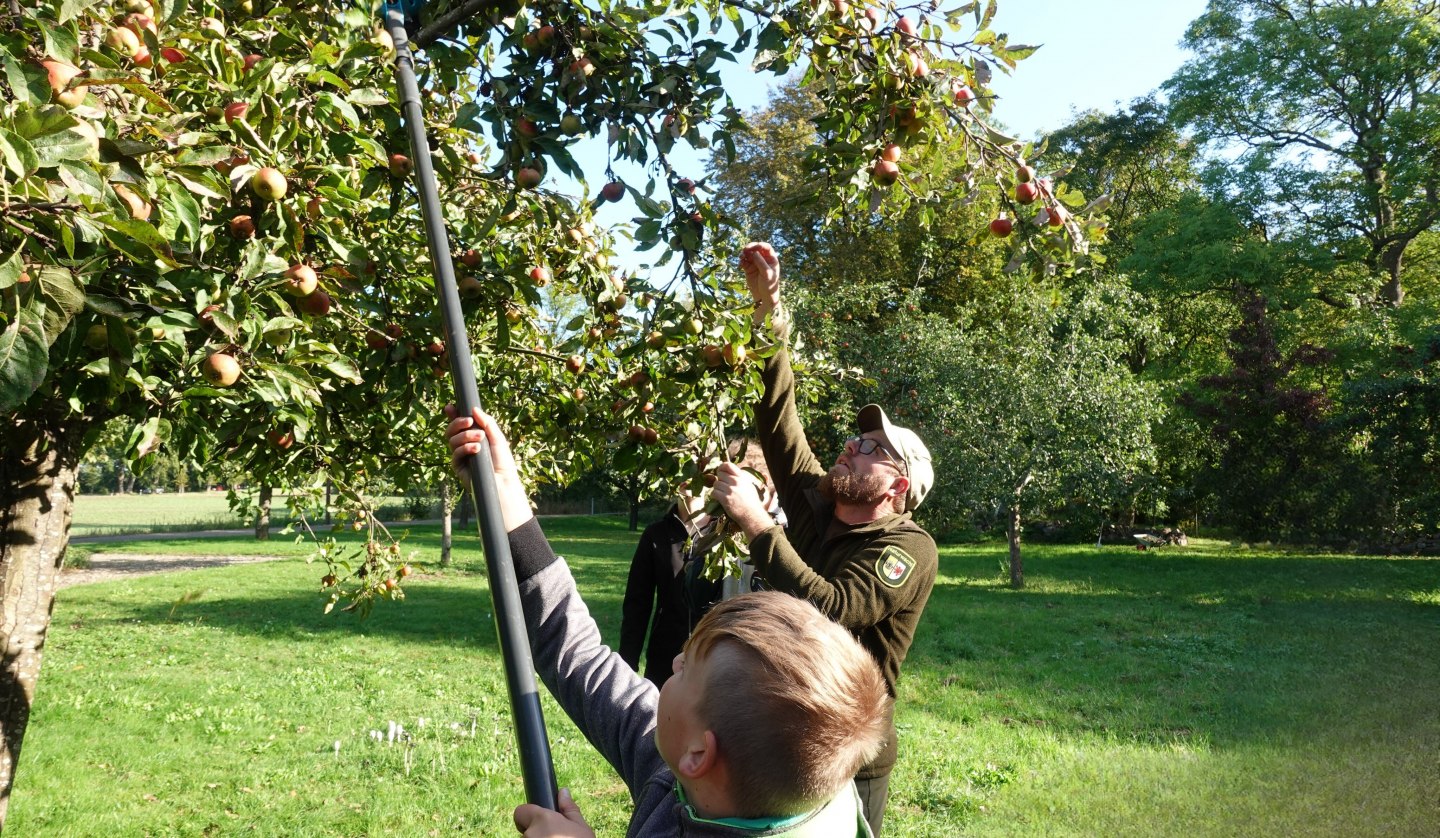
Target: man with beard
[{"x": 851, "y": 548}]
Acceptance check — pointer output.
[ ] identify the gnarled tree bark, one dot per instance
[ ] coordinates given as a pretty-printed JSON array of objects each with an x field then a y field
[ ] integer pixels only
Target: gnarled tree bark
[{"x": 38, "y": 468}]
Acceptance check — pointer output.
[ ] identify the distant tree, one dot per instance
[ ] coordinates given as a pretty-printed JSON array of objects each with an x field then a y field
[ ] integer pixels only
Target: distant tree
[
  {"x": 1334, "y": 108},
  {"x": 1269, "y": 427},
  {"x": 1134, "y": 159}
]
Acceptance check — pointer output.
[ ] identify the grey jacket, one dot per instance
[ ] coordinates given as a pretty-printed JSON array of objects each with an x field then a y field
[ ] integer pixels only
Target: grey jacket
[{"x": 616, "y": 708}]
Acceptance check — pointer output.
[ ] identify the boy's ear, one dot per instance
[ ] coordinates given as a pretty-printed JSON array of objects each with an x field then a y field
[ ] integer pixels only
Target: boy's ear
[{"x": 700, "y": 758}]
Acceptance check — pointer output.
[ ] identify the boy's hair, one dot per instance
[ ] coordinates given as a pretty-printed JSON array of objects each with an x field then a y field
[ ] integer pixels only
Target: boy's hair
[{"x": 795, "y": 702}]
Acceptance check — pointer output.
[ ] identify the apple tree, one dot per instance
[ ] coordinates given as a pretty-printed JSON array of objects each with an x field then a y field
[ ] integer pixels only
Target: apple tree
[{"x": 208, "y": 231}]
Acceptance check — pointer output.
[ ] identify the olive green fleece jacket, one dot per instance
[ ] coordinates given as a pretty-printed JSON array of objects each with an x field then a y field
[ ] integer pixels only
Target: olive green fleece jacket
[{"x": 874, "y": 579}]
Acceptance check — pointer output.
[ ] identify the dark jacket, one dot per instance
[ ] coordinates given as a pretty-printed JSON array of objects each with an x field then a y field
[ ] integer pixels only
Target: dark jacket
[
  {"x": 655, "y": 599},
  {"x": 874, "y": 579},
  {"x": 615, "y": 708}
]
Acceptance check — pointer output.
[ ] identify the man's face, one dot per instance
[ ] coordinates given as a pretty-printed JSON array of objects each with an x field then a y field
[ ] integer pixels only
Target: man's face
[
  {"x": 861, "y": 478},
  {"x": 678, "y": 721}
]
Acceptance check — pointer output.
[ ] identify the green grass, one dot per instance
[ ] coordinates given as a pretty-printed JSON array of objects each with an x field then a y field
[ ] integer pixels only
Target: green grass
[
  {"x": 170, "y": 512},
  {"x": 1203, "y": 691},
  {"x": 105, "y": 515}
]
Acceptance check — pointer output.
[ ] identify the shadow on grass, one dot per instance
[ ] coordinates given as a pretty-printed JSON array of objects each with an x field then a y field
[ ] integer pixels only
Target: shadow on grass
[
  {"x": 1161, "y": 647},
  {"x": 1180, "y": 646}
]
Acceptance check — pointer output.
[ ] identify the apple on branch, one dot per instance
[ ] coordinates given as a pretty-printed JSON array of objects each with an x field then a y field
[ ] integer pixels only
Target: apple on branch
[
  {"x": 269, "y": 184},
  {"x": 221, "y": 369}
]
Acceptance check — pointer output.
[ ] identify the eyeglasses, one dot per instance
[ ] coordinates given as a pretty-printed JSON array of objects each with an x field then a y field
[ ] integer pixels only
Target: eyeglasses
[{"x": 869, "y": 445}]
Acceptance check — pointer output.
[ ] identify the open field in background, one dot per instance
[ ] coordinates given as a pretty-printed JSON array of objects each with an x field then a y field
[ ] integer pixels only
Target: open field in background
[
  {"x": 101, "y": 515},
  {"x": 1198, "y": 691}
]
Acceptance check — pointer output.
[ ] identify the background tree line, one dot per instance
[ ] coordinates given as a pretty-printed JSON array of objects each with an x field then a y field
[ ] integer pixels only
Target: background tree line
[{"x": 1255, "y": 348}]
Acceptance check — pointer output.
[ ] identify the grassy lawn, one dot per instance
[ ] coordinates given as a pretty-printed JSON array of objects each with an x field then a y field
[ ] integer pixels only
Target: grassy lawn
[
  {"x": 102, "y": 515},
  {"x": 1197, "y": 691}
]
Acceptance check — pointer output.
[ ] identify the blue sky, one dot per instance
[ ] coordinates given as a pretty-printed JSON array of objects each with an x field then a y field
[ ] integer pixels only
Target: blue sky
[{"x": 1095, "y": 54}]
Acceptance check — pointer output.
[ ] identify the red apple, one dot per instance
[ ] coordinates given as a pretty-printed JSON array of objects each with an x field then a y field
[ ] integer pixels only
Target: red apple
[
  {"x": 575, "y": 364},
  {"x": 906, "y": 27},
  {"x": 221, "y": 369},
  {"x": 139, "y": 207},
  {"x": 280, "y": 439},
  {"x": 59, "y": 73},
  {"x": 885, "y": 172},
  {"x": 528, "y": 178},
  {"x": 242, "y": 227},
  {"x": 315, "y": 304},
  {"x": 400, "y": 166},
  {"x": 252, "y": 59},
  {"x": 540, "y": 275},
  {"x": 1001, "y": 227},
  {"x": 269, "y": 184},
  {"x": 963, "y": 96},
  {"x": 1026, "y": 193},
  {"x": 891, "y": 152},
  {"x": 471, "y": 258},
  {"x": 612, "y": 191},
  {"x": 469, "y": 287},
  {"x": 235, "y": 110},
  {"x": 172, "y": 55},
  {"x": 300, "y": 280},
  {"x": 1024, "y": 174},
  {"x": 123, "y": 40},
  {"x": 527, "y": 128}
]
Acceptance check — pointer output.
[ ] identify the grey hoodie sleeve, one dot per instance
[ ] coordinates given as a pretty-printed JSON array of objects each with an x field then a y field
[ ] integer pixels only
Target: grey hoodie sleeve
[{"x": 611, "y": 704}]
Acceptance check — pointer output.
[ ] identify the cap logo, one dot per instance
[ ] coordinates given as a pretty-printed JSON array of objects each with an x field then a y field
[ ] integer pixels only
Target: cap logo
[{"x": 894, "y": 566}]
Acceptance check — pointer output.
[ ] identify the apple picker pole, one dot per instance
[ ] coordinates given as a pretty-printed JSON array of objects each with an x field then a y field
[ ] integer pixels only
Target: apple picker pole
[{"x": 535, "y": 762}]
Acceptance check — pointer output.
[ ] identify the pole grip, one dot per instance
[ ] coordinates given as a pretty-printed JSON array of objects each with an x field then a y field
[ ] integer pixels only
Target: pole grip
[{"x": 536, "y": 765}]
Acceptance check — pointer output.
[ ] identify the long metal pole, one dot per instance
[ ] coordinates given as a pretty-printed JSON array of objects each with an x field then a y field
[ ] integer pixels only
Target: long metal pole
[{"x": 535, "y": 761}]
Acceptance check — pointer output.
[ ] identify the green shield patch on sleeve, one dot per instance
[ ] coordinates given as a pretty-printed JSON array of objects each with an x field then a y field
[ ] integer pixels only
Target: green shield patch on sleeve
[{"x": 894, "y": 566}]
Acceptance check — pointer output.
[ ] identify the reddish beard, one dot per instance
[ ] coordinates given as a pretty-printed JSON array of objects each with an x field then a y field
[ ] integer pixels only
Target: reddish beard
[{"x": 840, "y": 485}]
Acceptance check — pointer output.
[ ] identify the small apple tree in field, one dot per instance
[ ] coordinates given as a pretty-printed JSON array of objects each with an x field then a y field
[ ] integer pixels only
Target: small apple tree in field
[{"x": 208, "y": 228}]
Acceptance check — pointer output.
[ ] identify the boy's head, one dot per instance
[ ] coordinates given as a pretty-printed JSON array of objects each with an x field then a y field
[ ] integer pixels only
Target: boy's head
[{"x": 795, "y": 705}]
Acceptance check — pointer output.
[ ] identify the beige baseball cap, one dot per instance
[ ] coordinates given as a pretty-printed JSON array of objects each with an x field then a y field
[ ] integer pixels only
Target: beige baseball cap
[{"x": 907, "y": 446}]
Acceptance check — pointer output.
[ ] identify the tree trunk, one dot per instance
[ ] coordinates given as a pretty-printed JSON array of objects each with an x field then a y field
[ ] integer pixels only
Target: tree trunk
[
  {"x": 1017, "y": 570},
  {"x": 262, "y": 515},
  {"x": 447, "y": 510},
  {"x": 38, "y": 470},
  {"x": 465, "y": 508},
  {"x": 1391, "y": 259},
  {"x": 1012, "y": 532},
  {"x": 634, "y": 512}
]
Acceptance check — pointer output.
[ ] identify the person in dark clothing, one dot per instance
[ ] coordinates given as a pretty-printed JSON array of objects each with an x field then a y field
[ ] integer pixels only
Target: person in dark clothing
[
  {"x": 654, "y": 601},
  {"x": 771, "y": 709},
  {"x": 851, "y": 548}
]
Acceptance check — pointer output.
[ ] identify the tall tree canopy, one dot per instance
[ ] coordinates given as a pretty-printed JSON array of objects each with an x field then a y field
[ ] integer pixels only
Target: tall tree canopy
[{"x": 1335, "y": 107}]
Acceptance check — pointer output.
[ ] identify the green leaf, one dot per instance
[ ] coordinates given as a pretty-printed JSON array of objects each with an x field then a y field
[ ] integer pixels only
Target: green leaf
[
  {"x": 10, "y": 270},
  {"x": 71, "y": 9},
  {"x": 60, "y": 40},
  {"x": 344, "y": 368},
  {"x": 27, "y": 81},
  {"x": 330, "y": 103},
  {"x": 182, "y": 205},
  {"x": 18, "y": 154},
  {"x": 138, "y": 240},
  {"x": 63, "y": 296},
  {"x": 24, "y": 359},
  {"x": 204, "y": 156},
  {"x": 82, "y": 180},
  {"x": 62, "y": 139},
  {"x": 373, "y": 96}
]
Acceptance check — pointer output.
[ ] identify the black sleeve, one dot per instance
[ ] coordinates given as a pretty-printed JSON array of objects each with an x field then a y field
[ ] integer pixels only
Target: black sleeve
[{"x": 639, "y": 602}]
